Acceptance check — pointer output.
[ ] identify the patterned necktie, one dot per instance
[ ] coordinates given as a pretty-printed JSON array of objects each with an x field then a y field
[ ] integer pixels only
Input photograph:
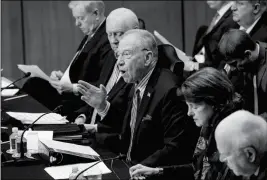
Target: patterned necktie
[
  {"x": 112, "y": 81},
  {"x": 136, "y": 103},
  {"x": 213, "y": 22}
]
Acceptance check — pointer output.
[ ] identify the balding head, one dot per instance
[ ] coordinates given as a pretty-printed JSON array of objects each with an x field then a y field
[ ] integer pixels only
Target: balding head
[
  {"x": 88, "y": 15},
  {"x": 242, "y": 140},
  {"x": 118, "y": 22}
]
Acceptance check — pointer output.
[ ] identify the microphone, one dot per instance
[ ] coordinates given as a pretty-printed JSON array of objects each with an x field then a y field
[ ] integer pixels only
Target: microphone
[
  {"x": 25, "y": 76},
  {"x": 121, "y": 156},
  {"x": 28, "y": 127}
]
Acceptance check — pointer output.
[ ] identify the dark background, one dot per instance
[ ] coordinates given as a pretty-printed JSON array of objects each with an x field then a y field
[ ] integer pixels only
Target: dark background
[{"x": 44, "y": 33}]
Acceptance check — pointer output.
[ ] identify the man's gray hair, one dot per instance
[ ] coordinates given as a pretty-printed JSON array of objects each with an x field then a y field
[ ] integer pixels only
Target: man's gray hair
[
  {"x": 146, "y": 40},
  {"x": 89, "y": 6}
]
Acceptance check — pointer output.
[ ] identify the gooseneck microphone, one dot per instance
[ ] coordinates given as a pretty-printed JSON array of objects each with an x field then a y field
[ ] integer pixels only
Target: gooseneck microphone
[
  {"x": 121, "y": 156},
  {"x": 25, "y": 76},
  {"x": 28, "y": 127}
]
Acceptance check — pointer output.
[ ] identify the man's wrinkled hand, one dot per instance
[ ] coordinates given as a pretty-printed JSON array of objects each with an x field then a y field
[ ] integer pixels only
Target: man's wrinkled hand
[
  {"x": 80, "y": 120},
  {"x": 56, "y": 75},
  {"x": 140, "y": 171},
  {"x": 93, "y": 96},
  {"x": 91, "y": 128}
]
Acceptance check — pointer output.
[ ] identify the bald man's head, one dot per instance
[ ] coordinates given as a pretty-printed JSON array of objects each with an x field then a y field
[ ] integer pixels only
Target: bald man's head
[
  {"x": 118, "y": 22},
  {"x": 242, "y": 140}
]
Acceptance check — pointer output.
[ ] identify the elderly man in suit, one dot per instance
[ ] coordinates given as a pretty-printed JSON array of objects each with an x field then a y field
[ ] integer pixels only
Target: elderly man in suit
[
  {"x": 252, "y": 17},
  {"x": 250, "y": 58},
  {"x": 86, "y": 64},
  {"x": 111, "y": 83},
  {"x": 155, "y": 125},
  {"x": 242, "y": 143}
]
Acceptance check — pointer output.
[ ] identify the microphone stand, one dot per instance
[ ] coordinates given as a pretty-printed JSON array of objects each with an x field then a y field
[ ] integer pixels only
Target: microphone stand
[
  {"x": 25, "y": 76},
  {"x": 121, "y": 156},
  {"x": 22, "y": 157}
]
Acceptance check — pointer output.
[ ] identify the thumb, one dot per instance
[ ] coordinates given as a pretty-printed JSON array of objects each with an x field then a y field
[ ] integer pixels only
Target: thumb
[{"x": 103, "y": 89}]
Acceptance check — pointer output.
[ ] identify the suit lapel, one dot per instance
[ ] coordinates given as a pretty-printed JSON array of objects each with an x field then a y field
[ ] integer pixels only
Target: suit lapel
[
  {"x": 258, "y": 25},
  {"x": 117, "y": 87},
  {"x": 263, "y": 67}
]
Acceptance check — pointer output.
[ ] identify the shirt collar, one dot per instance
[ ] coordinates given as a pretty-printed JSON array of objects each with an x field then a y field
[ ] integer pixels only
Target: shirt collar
[
  {"x": 224, "y": 8},
  {"x": 143, "y": 83},
  {"x": 257, "y": 172},
  {"x": 97, "y": 28}
]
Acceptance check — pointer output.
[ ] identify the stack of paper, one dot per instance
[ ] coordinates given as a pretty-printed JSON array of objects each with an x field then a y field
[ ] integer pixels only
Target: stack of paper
[
  {"x": 72, "y": 149},
  {"x": 28, "y": 118},
  {"x": 63, "y": 172}
]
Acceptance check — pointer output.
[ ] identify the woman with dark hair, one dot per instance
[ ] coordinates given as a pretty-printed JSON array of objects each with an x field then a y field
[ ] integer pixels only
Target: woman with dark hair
[{"x": 210, "y": 97}]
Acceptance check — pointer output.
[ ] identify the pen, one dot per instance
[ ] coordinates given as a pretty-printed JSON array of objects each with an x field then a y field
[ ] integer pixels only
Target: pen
[{"x": 16, "y": 97}]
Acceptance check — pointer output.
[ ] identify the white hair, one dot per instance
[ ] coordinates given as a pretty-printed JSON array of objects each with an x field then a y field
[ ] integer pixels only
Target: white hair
[
  {"x": 146, "y": 40},
  {"x": 245, "y": 130},
  {"x": 88, "y": 6}
]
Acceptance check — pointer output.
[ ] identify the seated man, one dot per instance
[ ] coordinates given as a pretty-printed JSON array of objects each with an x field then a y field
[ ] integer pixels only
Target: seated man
[
  {"x": 242, "y": 142},
  {"x": 116, "y": 90},
  {"x": 86, "y": 63},
  {"x": 251, "y": 16},
  {"x": 249, "y": 57},
  {"x": 155, "y": 126}
]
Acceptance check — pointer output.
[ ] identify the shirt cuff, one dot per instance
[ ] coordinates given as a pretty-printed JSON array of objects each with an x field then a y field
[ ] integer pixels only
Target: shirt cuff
[
  {"x": 82, "y": 116},
  {"x": 75, "y": 89},
  {"x": 103, "y": 113}
]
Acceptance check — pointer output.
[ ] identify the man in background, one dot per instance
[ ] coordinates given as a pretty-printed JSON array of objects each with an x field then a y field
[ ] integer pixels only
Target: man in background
[
  {"x": 85, "y": 65},
  {"x": 242, "y": 143},
  {"x": 249, "y": 58},
  {"x": 252, "y": 17}
]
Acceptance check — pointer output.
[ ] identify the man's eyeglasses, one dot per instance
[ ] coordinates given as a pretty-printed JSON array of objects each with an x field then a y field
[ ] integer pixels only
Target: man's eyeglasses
[{"x": 127, "y": 54}]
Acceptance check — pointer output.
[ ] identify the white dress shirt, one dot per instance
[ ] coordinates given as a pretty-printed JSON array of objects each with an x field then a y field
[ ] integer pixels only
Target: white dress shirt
[{"x": 248, "y": 30}]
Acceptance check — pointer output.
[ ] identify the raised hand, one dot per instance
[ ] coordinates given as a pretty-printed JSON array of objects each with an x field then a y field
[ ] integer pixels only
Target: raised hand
[{"x": 93, "y": 96}]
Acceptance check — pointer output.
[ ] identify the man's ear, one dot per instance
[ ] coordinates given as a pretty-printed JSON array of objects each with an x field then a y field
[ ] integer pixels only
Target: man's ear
[
  {"x": 148, "y": 58},
  {"x": 250, "y": 153},
  {"x": 257, "y": 8},
  {"x": 248, "y": 54}
]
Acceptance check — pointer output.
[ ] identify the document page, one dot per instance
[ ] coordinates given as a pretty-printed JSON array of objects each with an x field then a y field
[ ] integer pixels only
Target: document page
[
  {"x": 63, "y": 172},
  {"x": 72, "y": 149},
  {"x": 28, "y": 118},
  {"x": 34, "y": 70}
]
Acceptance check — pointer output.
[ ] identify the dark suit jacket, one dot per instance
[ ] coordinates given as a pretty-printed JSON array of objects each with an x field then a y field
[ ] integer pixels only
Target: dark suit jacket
[
  {"x": 87, "y": 66},
  {"x": 211, "y": 40},
  {"x": 162, "y": 126},
  {"x": 259, "y": 31},
  {"x": 261, "y": 74}
]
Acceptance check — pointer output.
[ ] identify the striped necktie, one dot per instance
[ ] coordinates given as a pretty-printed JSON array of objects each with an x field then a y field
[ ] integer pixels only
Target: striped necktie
[{"x": 135, "y": 106}]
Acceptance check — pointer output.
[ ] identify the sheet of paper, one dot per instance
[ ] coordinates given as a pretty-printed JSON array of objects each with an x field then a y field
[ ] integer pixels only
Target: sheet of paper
[
  {"x": 34, "y": 70},
  {"x": 63, "y": 172},
  {"x": 181, "y": 55},
  {"x": 28, "y": 118},
  {"x": 5, "y": 82},
  {"x": 9, "y": 92},
  {"x": 70, "y": 148}
]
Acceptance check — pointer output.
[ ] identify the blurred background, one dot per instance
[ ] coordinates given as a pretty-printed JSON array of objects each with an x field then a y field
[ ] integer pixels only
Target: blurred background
[{"x": 44, "y": 33}]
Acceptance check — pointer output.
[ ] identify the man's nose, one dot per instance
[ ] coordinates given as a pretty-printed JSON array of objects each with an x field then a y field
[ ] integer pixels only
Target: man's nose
[
  {"x": 77, "y": 23},
  {"x": 190, "y": 112},
  {"x": 233, "y": 7}
]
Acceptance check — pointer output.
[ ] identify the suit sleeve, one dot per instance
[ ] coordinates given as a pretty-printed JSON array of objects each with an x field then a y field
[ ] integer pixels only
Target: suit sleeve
[{"x": 180, "y": 133}]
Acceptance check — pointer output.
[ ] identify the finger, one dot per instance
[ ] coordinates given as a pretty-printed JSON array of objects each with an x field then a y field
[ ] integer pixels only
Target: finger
[
  {"x": 82, "y": 91},
  {"x": 88, "y": 86},
  {"x": 85, "y": 84},
  {"x": 82, "y": 87},
  {"x": 103, "y": 89},
  {"x": 135, "y": 167}
]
